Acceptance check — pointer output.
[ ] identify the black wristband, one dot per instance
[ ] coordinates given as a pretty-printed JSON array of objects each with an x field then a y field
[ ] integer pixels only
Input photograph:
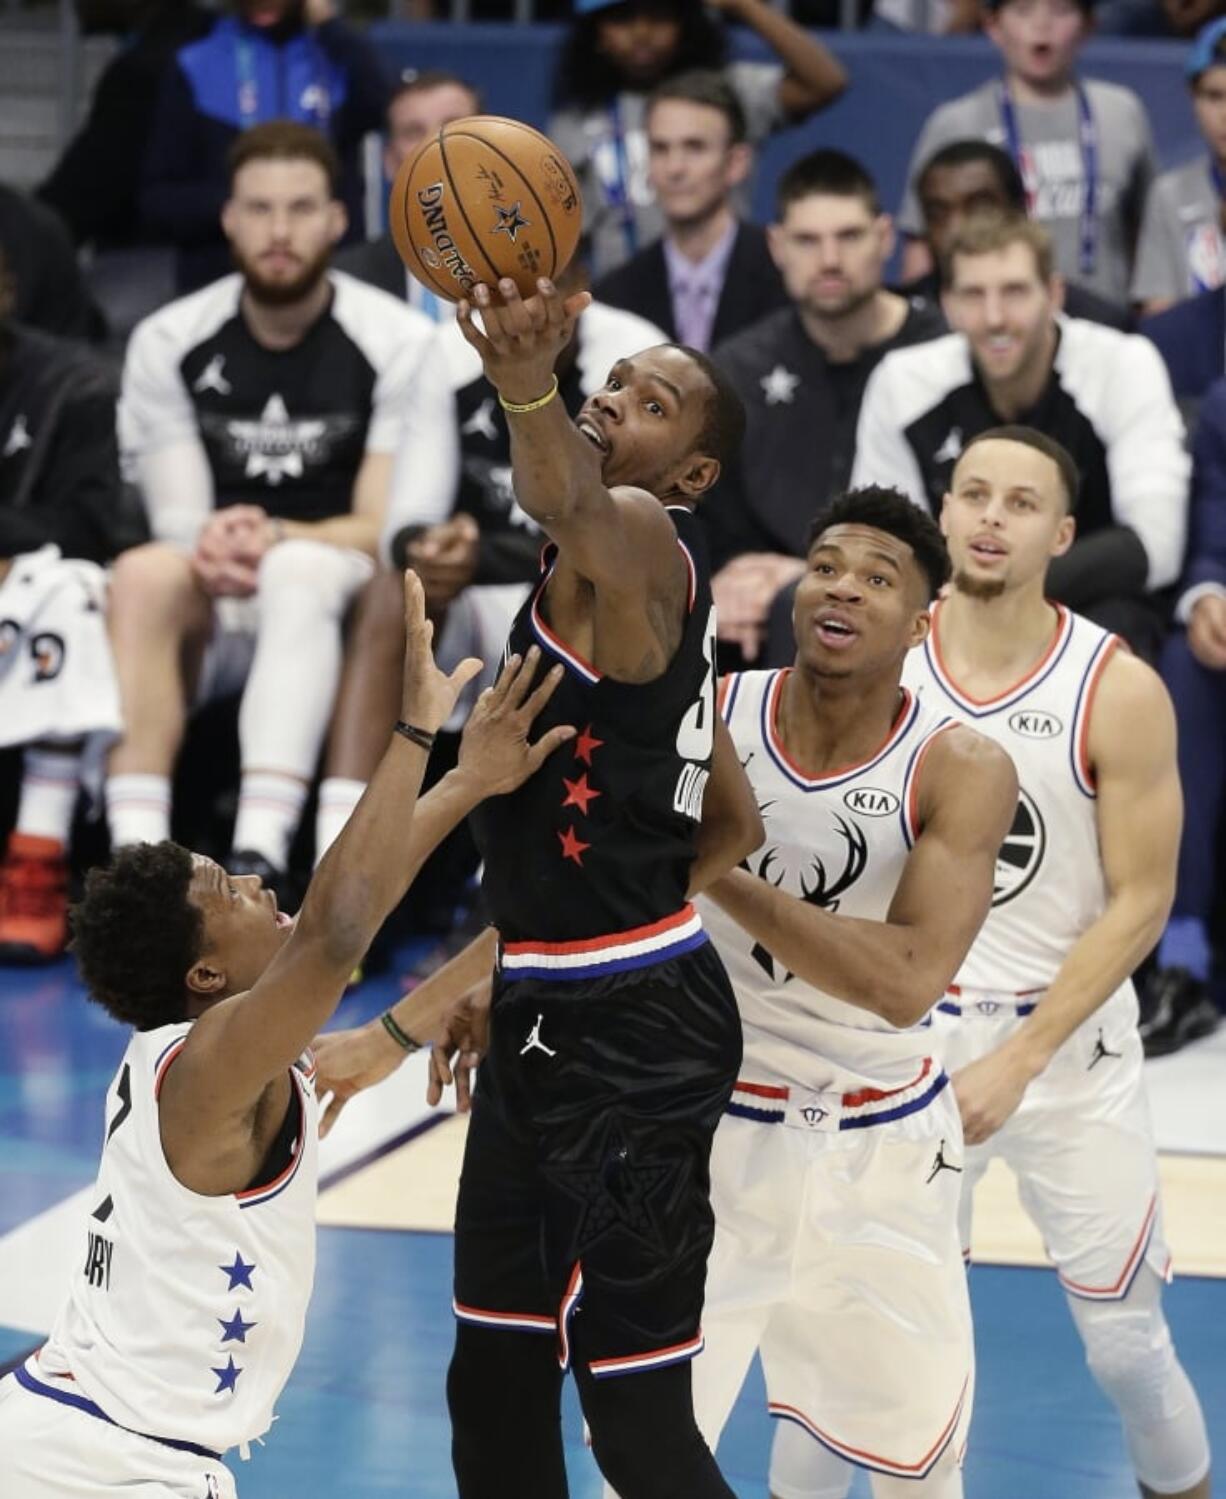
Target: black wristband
[
  {"x": 423, "y": 738},
  {"x": 401, "y": 1038}
]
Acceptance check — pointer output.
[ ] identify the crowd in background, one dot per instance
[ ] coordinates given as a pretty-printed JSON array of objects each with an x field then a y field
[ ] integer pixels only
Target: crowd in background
[{"x": 216, "y": 449}]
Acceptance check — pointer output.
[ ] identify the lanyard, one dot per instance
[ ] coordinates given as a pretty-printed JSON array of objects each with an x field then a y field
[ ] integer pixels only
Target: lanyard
[
  {"x": 1087, "y": 138},
  {"x": 315, "y": 97},
  {"x": 617, "y": 191}
]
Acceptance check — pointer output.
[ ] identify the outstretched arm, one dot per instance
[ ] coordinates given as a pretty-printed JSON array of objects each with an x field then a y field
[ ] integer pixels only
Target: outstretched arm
[
  {"x": 1140, "y": 816},
  {"x": 621, "y": 540},
  {"x": 899, "y": 967}
]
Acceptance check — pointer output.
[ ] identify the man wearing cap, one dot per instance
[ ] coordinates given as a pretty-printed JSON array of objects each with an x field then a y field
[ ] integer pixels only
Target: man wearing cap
[
  {"x": 1083, "y": 147},
  {"x": 1182, "y": 250}
]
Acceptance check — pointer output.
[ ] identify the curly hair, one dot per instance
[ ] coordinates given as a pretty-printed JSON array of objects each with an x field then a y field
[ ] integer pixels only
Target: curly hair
[
  {"x": 585, "y": 77},
  {"x": 136, "y": 934},
  {"x": 890, "y": 510}
]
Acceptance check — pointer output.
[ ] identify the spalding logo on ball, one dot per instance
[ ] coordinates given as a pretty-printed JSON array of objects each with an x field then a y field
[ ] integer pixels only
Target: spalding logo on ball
[{"x": 485, "y": 198}]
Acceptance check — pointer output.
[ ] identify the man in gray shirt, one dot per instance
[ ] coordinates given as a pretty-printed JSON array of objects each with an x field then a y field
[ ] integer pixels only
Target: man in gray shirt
[
  {"x": 1084, "y": 148},
  {"x": 1182, "y": 250}
]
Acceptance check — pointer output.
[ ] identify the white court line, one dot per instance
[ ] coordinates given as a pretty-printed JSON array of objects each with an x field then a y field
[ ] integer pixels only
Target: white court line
[{"x": 37, "y": 1257}]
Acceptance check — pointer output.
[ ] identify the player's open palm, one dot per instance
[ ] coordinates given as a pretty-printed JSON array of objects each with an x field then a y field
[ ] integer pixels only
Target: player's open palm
[
  {"x": 495, "y": 747},
  {"x": 520, "y": 338},
  {"x": 346, "y": 1062},
  {"x": 428, "y": 694}
]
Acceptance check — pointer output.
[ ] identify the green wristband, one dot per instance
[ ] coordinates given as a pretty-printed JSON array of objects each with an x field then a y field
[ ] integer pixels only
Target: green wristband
[{"x": 401, "y": 1038}]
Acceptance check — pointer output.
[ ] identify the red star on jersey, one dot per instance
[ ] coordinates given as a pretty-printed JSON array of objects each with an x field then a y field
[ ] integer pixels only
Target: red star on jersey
[
  {"x": 579, "y": 793},
  {"x": 573, "y": 847},
  {"x": 585, "y": 745}
]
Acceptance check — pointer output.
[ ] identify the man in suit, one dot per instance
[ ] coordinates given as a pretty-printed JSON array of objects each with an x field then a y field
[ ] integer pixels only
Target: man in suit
[
  {"x": 710, "y": 274},
  {"x": 418, "y": 109}
]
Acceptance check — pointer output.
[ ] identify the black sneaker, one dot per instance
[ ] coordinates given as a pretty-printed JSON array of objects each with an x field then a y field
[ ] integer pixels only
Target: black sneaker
[
  {"x": 1178, "y": 1008},
  {"x": 247, "y": 861}
]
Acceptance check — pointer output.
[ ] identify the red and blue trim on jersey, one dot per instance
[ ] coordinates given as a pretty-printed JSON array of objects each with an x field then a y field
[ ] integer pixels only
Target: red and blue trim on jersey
[
  {"x": 860, "y": 1108},
  {"x": 984, "y": 707},
  {"x": 28, "y": 1380},
  {"x": 1015, "y": 1004},
  {"x": 875, "y": 1462},
  {"x": 571, "y": 1298},
  {"x": 1136, "y": 1258},
  {"x": 254, "y": 1196},
  {"x": 1079, "y": 738},
  {"x": 164, "y": 1062},
  {"x": 769, "y": 715},
  {"x": 660, "y": 1358},
  {"x": 908, "y": 811},
  {"x": 594, "y": 957}
]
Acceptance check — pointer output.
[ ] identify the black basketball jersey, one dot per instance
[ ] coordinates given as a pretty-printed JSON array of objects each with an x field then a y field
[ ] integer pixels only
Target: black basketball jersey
[{"x": 600, "y": 841}]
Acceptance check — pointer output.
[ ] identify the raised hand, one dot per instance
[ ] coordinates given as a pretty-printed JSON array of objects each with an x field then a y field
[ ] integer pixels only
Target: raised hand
[
  {"x": 427, "y": 695},
  {"x": 495, "y": 748},
  {"x": 522, "y": 338}
]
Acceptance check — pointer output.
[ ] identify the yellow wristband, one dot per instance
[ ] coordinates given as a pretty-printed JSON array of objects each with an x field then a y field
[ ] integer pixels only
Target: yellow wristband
[{"x": 518, "y": 409}]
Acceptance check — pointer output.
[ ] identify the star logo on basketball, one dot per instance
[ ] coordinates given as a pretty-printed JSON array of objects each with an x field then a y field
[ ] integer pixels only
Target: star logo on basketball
[
  {"x": 1021, "y": 853},
  {"x": 510, "y": 221}
]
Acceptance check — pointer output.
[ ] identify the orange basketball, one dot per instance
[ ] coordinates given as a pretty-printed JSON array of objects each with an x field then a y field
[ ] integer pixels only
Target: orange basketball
[{"x": 486, "y": 197}]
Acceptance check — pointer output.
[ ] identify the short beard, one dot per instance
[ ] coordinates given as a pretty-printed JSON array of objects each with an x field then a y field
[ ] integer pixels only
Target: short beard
[
  {"x": 978, "y": 588},
  {"x": 854, "y": 303},
  {"x": 284, "y": 293}
]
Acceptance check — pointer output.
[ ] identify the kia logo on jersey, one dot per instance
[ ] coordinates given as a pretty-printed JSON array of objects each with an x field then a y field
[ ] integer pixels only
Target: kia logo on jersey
[
  {"x": 871, "y": 801},
  {"x": 1033, "y": 723}
]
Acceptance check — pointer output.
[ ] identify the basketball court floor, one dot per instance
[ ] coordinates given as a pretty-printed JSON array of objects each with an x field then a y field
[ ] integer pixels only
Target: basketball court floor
[{"x": 364, "y": 1414}]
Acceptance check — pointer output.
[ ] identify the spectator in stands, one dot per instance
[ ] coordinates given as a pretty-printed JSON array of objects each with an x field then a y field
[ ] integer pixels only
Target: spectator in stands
[
  {"x": 95, "y": 185},
  {"x": 45, "y": 287},
  {"x": 619, "y": 50},
  {"x": 711, "y": 272},
  {"x": 801, "y": 373},
  {"x": 271, "y": 59},
  {"x": 1084, "y": 148},
  {"x": 1102, "y": 394},
  {"x": 261, "y": 417},
  {"x": 1179, "y": 1006},
  {"x": 418, "y": 109},
  {"x": 60, "y": 516},
  {"x": 476, "y": 556},
  {"x": 971, "y": 176},
  {"x": 1191, "y": 337},
  {"x": 1182, "y": 250}
]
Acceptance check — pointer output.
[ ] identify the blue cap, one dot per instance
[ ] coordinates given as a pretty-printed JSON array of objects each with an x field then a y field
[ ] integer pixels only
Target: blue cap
[{"x": 1204, "y": 53}]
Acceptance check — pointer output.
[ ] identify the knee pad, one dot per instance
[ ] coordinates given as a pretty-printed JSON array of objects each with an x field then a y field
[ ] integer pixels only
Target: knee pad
[{"x": 1130, "y": 1353}]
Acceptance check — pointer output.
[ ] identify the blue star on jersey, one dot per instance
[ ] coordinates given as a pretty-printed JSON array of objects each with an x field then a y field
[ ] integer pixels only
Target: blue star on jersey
[
  {"x": 239, "y": 1273},
  {"x": 227, "y": 1378},
  {"x": 236, "y": 1329}
]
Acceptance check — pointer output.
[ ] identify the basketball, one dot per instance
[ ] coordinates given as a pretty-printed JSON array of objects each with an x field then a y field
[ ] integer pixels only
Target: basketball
[{"x": 485, "y": 198}]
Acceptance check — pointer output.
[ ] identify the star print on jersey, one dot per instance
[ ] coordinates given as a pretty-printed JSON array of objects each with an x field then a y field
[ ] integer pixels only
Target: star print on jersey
[
  {"x": 579, "y": 793},
  {"x": 779, "y": 387},
  {"x": 236, "y": 1330},
  {"x": 276, "y": 446},
  {"x": 227, "y": 1378},
  {"x": 239, "y": 1273},
  {"x": 951, "y": 449},
  {"x": 617, "y": 1194},
  {"x": 481, "y": 422},
  {"x": 573, "y": 847},
  {"x": 586, "y": 745},
  {"x": 510, "y": 221},
  {"x": 19, "y": 436}
]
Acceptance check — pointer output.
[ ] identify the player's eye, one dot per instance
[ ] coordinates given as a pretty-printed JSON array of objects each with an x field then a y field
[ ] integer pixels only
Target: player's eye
[
  {"x": 879, "y": 578},
  {"x": 655, "y": 408},
  {"x": 613, "y": 383}
]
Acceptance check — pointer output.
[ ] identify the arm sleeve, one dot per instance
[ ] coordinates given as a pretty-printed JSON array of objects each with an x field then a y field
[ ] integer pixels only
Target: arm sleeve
[
  {"x": 426, "y": 473},
  {"x": 1160, "y": 269},
  {"x": 366, "y": 96},
  {"x": 1108, "y": 564},
  {"x": 159, "y": 440},
  {"x": 179, "y": 202},
  {"x": 883, "y": 454},
  {"x": 1147, "y": 463}
]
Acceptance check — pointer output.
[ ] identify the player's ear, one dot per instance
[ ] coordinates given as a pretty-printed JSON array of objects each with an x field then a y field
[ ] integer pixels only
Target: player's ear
[
  {"x": 205, "y": 980},
  {"x": 920, "y": 627},
  {"x": 1066, "y": 532},
  {"x": 698, "y": 476},
  {"x": 228, "y": 218},
  {"x": 943, "y": 518}
]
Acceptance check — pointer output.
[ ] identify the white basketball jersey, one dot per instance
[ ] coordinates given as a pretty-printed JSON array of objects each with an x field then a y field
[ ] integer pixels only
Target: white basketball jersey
[
  {"x": 1049, "y": 878},
  {"x": 185, "y": 1313},
  {"x": 838, "y": 841}
]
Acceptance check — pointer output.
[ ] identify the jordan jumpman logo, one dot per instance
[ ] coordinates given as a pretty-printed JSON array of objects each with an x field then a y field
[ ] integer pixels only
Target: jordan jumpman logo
[
  {"x": 534, "y": 1042},
  {"x": 940, "y": 1164}
]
